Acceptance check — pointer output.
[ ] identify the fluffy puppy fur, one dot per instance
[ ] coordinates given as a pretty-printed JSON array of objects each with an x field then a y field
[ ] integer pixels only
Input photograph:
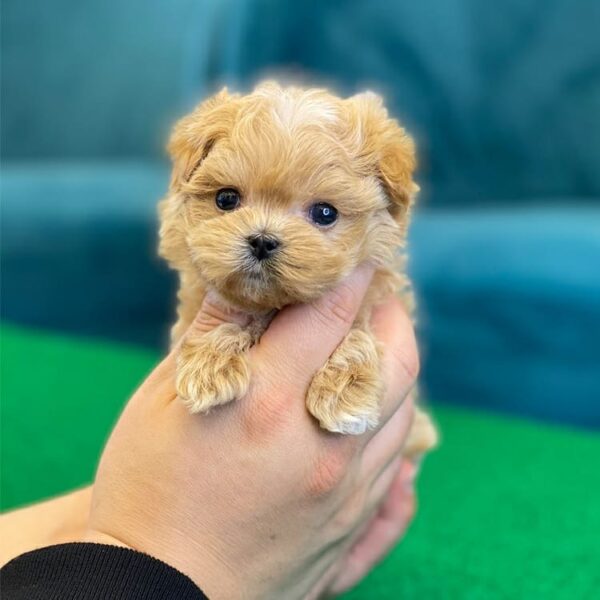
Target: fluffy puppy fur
[{"x": 283, "y": 150}]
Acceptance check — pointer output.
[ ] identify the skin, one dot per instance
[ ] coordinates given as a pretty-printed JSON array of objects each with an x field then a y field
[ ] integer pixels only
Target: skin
[
  {"x": 56, "y": 521},
  {"x": 254, "y": 500}
]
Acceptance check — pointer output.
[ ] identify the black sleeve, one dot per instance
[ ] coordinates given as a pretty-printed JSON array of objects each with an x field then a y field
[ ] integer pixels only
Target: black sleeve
[{"x": 93, "y": 572}]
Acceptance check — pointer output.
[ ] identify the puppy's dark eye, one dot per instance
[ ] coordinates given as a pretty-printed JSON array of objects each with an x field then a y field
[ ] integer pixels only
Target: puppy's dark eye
[
  {"x": 227, "y": 199},
  {"x": 323, "y": 214}
]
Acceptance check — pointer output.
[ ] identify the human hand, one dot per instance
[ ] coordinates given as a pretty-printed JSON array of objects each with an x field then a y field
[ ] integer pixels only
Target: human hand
[{"x": 254, "y": 499}]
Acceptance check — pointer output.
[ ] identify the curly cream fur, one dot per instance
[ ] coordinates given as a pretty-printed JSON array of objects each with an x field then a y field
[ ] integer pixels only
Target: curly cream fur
[{"x": 284, "y": 149}]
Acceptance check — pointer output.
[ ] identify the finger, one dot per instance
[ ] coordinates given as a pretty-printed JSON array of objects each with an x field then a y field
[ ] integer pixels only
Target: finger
[
  {"x": 302, "y": 337},
  {"x": 393, "y": 327},
  {"x": 395, "y": 508},
  {"x": 350, "y": 565},
  {"x": 382, "y": 483},
  {"x": 400, "y": 468},
  {"x": 382, "y": 532},
  {"x": 377, "y": 492},
  {"x": 388, "y": 442}
]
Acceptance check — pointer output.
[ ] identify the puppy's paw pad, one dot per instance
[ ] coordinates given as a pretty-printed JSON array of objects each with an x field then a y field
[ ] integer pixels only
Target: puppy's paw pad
[{"x": 203, "y": 383}]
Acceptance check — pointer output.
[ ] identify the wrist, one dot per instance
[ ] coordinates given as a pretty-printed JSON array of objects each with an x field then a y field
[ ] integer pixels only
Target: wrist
[
  {"x": 93, "y": 536},
  {"x": 202, "y": 568}
]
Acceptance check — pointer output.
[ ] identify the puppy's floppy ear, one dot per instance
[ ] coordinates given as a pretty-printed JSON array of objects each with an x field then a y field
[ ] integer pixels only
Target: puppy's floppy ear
[
  {"x": 386, "y": 150},
  {"x": 195, "y": 134},
  {"x": 191, "y": 141}
]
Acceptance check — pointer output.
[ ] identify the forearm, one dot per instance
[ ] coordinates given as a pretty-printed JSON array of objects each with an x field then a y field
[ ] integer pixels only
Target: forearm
[{"x": 56, "y": 521}]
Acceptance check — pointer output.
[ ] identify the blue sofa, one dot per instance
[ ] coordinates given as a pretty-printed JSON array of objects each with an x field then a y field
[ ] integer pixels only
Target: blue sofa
[{"x": 503, "y": 99}]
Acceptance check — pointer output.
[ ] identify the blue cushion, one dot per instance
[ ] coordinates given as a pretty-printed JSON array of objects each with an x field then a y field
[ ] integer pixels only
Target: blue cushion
[
  {"x": 79, "y": 250},
  {"x": 510, "y": 311},
  {"x": 503, "y": 96},
  {"x": 100, "y": 79}
]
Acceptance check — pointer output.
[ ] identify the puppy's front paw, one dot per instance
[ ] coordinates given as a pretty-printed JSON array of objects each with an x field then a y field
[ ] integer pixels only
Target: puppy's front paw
[
  {"x": 345, "y": 394},
  {"x": 212, "y": 368}
]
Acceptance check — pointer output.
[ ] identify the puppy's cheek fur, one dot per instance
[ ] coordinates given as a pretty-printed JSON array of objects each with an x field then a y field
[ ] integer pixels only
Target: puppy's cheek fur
[
  {"x": 217, "y": 248},
  {"x": 172, "y": 233},
  {"x": 311, "y": 262},
  {"x": 383, "y": 238}
]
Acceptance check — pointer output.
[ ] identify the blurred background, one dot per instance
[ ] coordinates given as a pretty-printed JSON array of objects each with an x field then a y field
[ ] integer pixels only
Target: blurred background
[{"x": 504, "y": 101}]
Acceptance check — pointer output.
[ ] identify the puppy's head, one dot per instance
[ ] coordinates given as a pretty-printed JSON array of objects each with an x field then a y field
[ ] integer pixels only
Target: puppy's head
[{"x": 277, "y": 195}]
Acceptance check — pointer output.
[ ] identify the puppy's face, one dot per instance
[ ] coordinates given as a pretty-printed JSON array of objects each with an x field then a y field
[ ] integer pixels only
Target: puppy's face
[{"x": 278, "y": 195}]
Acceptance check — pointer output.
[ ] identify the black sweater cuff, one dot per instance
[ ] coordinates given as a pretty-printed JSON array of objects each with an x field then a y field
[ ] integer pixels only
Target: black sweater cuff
[{"x": 93, "y": 572}]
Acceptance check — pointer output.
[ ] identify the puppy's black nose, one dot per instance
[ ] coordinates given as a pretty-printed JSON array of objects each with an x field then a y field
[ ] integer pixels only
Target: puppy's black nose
[{"x": 263, "y": 246}]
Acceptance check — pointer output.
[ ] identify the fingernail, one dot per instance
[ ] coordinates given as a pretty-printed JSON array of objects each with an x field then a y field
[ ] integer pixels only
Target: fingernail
[{"x": 410, "y": 475}]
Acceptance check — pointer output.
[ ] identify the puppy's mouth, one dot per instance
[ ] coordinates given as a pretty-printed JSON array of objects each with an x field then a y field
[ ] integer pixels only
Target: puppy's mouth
[
  {"x": 253, "y": 276},
  {"x": 258, "y": 272},
  {"x": 253, "y": 285}
]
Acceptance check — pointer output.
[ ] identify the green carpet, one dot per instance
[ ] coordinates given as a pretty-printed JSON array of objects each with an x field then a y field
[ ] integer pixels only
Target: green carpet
[{"x": 508, "y": 509}]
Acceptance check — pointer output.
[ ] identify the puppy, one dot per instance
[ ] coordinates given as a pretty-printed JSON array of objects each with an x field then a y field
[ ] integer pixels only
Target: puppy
[{"x": 275, "y": 197}]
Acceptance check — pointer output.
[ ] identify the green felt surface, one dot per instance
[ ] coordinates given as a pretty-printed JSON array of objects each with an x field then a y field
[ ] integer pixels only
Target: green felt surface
[{"x": 508, "y": 509}]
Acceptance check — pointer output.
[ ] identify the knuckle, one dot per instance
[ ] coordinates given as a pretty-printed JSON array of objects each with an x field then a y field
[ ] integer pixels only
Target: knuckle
[
  {"x": 328, "y": 473},
  {"x": 265, "y": 413},
  {"x": 338, "y": 306}
]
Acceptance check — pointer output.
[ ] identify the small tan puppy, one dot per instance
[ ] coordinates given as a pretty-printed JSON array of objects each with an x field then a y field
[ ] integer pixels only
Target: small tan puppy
[{"x": 275, "y": 197}]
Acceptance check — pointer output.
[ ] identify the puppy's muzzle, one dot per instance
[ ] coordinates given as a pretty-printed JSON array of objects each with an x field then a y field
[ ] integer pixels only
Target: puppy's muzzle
[{"x": 263, "y": 246}]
